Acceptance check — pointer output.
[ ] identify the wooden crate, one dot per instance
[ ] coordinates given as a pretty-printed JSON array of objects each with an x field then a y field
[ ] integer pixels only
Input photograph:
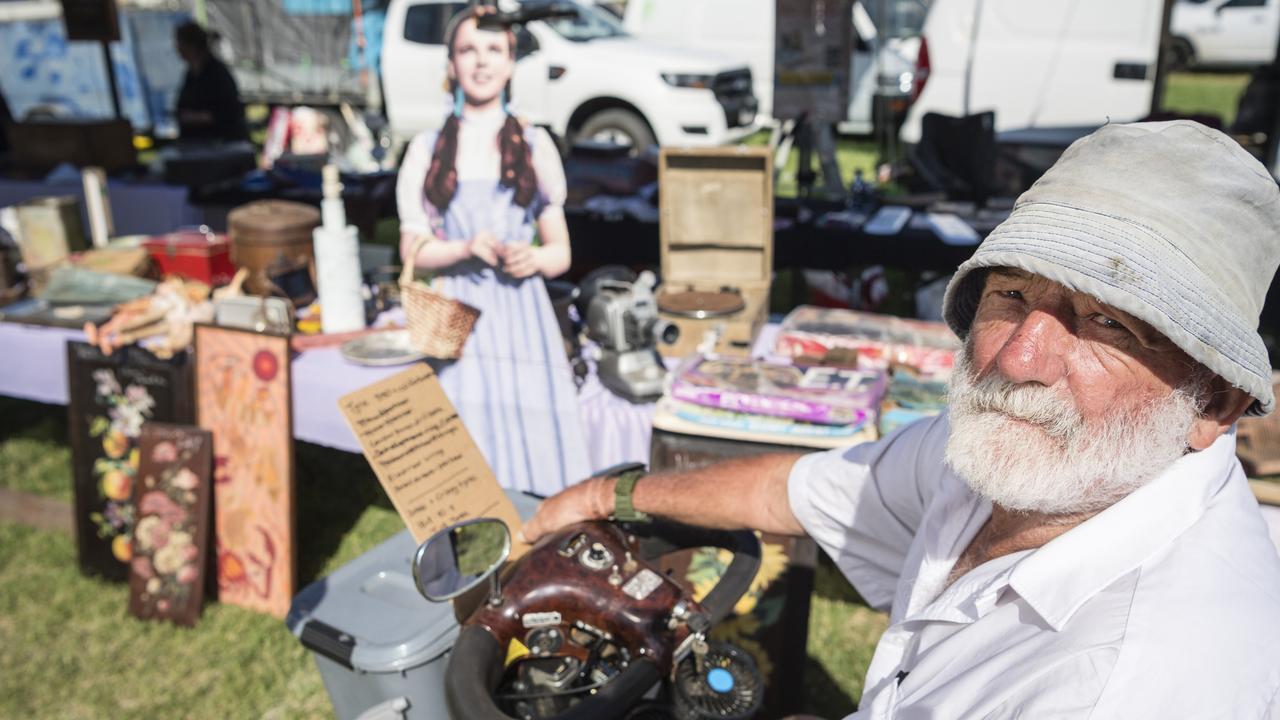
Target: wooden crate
[{"x": 716, "y": 231}]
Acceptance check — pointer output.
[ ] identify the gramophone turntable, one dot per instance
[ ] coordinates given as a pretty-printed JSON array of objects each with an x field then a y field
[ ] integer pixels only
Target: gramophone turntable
[
  {"x": 702, "y": 304},
  {"x": 716, "y": 231}
]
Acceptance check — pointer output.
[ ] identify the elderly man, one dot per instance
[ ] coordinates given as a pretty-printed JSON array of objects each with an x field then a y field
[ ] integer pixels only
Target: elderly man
[{"x": 1075, "y": 537}]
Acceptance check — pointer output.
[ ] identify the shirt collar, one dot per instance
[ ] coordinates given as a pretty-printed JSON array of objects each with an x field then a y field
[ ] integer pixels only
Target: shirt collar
[{"x": 1058, "y": 578}]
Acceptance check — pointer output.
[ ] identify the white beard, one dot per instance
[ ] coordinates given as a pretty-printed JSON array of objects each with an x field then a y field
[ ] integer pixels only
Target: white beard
[{"x": 1027, "y": 448}]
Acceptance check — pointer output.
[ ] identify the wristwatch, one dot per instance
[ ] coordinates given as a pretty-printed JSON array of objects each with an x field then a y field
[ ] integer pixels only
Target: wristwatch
[{"x": 623, "y": 489}]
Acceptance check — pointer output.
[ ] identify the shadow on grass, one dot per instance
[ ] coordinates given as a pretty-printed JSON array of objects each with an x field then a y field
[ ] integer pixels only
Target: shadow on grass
[
  {"x": 830, "y": 583},
  {"x": 334, "y": 488},
  {"x": 32, "y": 420},
  {"x": 823, "y": 696}
]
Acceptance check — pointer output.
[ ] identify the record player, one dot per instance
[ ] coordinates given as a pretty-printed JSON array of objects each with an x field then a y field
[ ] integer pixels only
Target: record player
[{"x": 716, "y": 230}]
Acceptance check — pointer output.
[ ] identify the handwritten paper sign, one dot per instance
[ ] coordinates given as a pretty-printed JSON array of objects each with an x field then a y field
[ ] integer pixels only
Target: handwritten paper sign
[{"x": 423, "y": 455}]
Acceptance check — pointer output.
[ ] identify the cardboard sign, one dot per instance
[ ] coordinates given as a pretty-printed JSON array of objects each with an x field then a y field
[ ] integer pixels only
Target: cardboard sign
[
  {"x": 243, "y": 398},
  {"x": 423, "y": 455},
  {"x": 110, "y": 399},
  {"x": 171, "y": 535}
]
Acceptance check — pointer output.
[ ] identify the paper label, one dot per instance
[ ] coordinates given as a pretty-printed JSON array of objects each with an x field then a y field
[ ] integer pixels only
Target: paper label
[
  {"x": 423, "y": 455},
  {"x": 539, "y": 619}
]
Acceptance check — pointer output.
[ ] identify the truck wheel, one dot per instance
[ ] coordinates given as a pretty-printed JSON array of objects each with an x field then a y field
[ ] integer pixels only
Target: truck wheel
[
  {"x": 619, "y": 127},
  {"x": 1181, "y": 54}
]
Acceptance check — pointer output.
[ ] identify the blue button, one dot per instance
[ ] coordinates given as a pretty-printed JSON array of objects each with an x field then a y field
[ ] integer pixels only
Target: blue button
[{"x": 720, "y": 680}]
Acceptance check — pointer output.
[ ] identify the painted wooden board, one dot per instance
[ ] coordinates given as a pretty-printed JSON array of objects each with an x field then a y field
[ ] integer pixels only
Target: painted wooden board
[
  {"x": 171, "y": 536},
  {"x": 243, "y": 399},
  {"x": 109, "y": 400}
]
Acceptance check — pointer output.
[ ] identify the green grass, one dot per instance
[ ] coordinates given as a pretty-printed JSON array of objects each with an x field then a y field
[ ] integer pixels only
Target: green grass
[
  {"x": 69, "y": 649},
  {"x": 851, "y": 155},
  {"x": 1205, "y": 93},
  {"x": 34, "y": 455},
  {"x": 843, "y": 633}
]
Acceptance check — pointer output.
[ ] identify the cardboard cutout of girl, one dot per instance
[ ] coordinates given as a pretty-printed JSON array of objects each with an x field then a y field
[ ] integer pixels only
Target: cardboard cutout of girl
[{"x": 483, "y": 184}]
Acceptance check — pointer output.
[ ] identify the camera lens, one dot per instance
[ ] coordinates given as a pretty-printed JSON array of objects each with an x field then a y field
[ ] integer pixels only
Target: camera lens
[{"x": 666, "y": 332}]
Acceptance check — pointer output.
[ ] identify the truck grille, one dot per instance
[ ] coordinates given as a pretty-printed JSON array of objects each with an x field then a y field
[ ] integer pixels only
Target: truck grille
[{"x": 733, "y": 91}]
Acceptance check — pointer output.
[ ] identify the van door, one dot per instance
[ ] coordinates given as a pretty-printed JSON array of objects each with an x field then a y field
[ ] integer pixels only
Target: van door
[
  {"x": 413, "y": 65},
  {"x": 1061, "y": 63},
  {"x": 1247, "y": 30}
]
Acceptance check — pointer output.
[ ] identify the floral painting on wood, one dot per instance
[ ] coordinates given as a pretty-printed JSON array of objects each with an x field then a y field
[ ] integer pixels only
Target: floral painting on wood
[
  {"x": 110, "y": 397},
  {"x": 243, "y": 399},
  {"x": 170, "y": 536}
]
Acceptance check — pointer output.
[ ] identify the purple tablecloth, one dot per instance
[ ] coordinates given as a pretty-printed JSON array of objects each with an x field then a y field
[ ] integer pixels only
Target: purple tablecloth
[
  {"x": 35, "y": 368},
  {"x": 136, "y": 208}
]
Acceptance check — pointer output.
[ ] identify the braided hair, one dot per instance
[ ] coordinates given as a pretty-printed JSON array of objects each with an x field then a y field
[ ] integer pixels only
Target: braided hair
[{"x": 516, "y": 172}]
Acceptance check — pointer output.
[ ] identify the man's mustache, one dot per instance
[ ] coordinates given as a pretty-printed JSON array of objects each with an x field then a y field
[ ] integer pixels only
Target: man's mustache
[{"x": 1037, "y": 405}]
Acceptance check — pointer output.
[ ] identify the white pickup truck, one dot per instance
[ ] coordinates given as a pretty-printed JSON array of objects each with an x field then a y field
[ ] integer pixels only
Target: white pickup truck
[{"x": 583, "y": 77}]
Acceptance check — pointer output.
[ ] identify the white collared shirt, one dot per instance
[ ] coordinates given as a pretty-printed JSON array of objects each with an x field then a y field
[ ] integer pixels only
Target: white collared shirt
[{"x": 1164, "y": 605}]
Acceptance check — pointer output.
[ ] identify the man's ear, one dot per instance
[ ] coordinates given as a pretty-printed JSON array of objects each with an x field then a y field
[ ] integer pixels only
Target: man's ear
[{"x": 1226, "y": 405}]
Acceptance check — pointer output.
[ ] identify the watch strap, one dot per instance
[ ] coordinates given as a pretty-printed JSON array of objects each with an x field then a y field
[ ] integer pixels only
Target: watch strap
[{"x": 623, "y": 496}]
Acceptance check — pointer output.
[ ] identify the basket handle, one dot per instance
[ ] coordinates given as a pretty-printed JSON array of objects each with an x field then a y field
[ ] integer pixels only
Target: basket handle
[{"x": 406, "y": 274}]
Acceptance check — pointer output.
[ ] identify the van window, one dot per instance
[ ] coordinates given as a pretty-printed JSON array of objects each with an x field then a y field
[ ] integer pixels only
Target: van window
[{"x": 426, "y": 23}]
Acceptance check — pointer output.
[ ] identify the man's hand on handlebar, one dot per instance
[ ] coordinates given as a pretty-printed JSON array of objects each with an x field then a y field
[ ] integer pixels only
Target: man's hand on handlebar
[
  {"x": 748, "y": 492},
  {"x": 588, "y": 500}
]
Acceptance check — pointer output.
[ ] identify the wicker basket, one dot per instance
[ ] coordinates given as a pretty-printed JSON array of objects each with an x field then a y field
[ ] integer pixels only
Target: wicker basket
[{"x": 438, "y": 325}]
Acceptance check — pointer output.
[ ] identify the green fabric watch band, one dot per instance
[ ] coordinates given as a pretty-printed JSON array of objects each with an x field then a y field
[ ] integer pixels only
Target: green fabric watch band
[{"x": 623, "y": 489}]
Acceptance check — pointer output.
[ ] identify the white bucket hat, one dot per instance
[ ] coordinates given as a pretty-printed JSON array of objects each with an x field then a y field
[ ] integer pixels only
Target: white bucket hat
[{"x": 1171, "y": 222}]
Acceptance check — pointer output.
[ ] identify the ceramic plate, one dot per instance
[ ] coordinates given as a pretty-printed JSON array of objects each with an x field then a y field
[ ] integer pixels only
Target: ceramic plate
[{"x": 379, "y": 349}]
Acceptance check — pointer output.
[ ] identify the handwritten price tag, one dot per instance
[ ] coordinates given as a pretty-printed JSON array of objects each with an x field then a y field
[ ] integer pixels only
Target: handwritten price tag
[{"x": 423, "y": 455}]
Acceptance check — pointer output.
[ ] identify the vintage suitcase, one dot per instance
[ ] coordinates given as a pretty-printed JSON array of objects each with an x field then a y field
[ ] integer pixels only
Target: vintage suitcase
[
  {"x": 272, "y": 238},
  {"x": 716, "y": 232},
  {"x": 194, "y": 254}
]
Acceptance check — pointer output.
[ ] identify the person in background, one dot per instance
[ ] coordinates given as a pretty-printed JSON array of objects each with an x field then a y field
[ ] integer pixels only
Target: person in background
[
  {"x": 481, "y": 189},
  {"x": 209, "y": 107},
  {"x": 1074, "y": 537},
  {"x": 6, "y": 119}
]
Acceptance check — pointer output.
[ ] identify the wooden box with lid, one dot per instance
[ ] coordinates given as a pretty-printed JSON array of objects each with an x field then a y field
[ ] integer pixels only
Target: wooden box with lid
[
  {"x": 272, "y": 238},
  {"x": 716, "y": 231}
]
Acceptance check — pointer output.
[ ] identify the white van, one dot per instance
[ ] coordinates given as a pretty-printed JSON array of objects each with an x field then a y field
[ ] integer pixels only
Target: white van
[
  {"x": 880, "y": 65},
  {"x": 1225, "y": 33},
  {"x": 583, "y": 77},
  {"x": 1042, "y": 64}
]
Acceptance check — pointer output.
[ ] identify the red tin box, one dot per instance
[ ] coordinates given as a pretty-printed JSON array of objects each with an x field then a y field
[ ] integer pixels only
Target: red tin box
[{"x": 194, "y": 254}]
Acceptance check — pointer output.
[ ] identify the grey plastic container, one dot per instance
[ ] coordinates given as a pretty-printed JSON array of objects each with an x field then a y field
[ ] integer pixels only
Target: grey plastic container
[{"x": 380, "y": 646}]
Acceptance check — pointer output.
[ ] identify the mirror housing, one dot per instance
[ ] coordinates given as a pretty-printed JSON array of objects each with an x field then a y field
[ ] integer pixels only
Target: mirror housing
[{"x": 460, "y": 557}]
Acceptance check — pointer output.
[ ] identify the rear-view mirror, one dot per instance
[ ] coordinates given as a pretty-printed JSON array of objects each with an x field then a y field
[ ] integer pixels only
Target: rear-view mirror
[{"x": 460, "y": 557}]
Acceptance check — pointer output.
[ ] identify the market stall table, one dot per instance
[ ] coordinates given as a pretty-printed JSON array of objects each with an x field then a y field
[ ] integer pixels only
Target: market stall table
[
  {"x": 35, "y": 369},
  {"x": 145, "y": 208}
]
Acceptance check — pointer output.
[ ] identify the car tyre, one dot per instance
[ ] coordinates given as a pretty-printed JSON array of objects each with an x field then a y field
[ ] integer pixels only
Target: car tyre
[
  {"x": 623, "y": 127},
  {"x": 1181, "y": 54}
]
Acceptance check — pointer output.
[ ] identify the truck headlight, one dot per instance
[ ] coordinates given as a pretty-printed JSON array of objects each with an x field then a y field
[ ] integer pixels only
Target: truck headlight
[{"x": 686, "y": 80}]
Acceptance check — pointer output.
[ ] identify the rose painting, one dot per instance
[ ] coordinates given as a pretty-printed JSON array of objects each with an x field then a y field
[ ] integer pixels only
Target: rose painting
[{"x": 170, "y": 537}]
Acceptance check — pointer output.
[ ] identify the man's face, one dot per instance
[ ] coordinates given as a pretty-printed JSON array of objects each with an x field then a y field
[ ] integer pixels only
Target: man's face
[{"x": 1062, "y": 404}]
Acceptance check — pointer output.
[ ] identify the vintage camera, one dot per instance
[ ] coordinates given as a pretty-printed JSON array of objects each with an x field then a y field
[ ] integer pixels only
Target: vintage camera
[{"x": 622, "y": 318}]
